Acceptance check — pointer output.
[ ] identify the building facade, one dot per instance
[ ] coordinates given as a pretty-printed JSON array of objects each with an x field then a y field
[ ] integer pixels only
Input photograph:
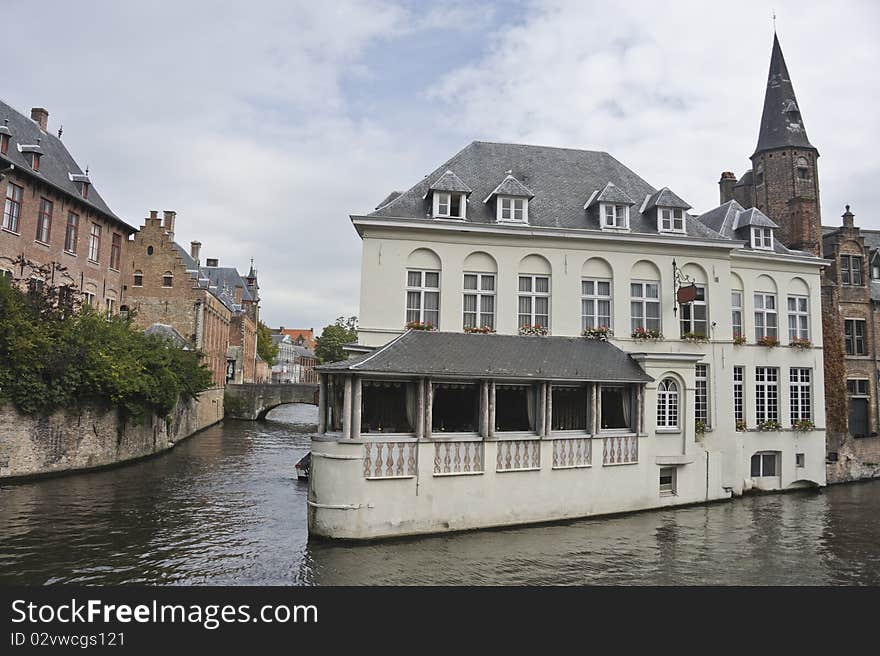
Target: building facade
[
  {"x": 783, "y": 183},
  {"x": 53, "y": 216},
  {"x": 553, "y": 337},
  {"x": 294, "y": 363}
]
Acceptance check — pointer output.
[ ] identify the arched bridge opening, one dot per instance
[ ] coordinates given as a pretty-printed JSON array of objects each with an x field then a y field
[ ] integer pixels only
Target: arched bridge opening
[{"x": 253, "y": 401}]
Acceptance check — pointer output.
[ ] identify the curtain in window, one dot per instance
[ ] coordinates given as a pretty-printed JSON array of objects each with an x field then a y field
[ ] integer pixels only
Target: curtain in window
[
  {"x": 411, "y": 405},
  {"x": 531, "y": 393},
  {"x": 628, "y": 406}
]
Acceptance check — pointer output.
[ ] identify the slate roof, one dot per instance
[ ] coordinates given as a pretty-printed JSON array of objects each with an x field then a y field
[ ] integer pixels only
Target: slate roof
[
  {"x": 665, "y": 198},
  {"x": 56, "y": 164},
  {"x": 449, "y": 182},
  {"x": 747, "y": 179},
  {"x": 510, "y": 186},
  {"x": 562, "y": 179},
  {"x": 419, "y": 352},
  {"x": 610, "y": 193},
  {"x": 168, "y": 332},
  {"x": 753, "y": 217},
  {"x": 781, "y": 121},
  {"x": 731, "y": 218},
  {"x": 388, "y": 199},
  {"x": 220, "y": 281}
]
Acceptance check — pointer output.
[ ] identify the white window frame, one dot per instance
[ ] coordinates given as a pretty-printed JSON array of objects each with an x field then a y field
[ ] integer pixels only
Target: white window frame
[
  {"x": 668, "y": 405},
  {"x": 444, "y": 199},
  {"x": 761, "y": 455},
  {"x": 479, "y": 294},
  {"x": 762, "y": 238},
  {"x": 532, "y": 295},
  {"x": 670, "y": 219},
  {"x": 618, "y": 214},
  {"x": 110, "y": 304},
  {"x": 736, "y": 311},
  {"x": 12, "y": 208},
  {"x": 739, "y": 394},
  {"x": 799, "y": 316},
  {"x": 422, "y": 290},
  {"x": 800, "y": 393},
  {"x": 669, "y": 490},
  {"x": 766, "y": 394},
  {"x": 516, "y": 209},
  {"x": 94, "y": 242},
  {"x": 592, "y": 320},
  {"x": 763, "y": 314},
  {"x": 701, "y": 394},
  {"x": 687, "y": 313},
  {"x": 644, "y": 301}
]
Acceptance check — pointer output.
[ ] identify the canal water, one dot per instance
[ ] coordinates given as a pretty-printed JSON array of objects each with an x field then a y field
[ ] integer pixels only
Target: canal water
[{"x": 224, "y": 507}]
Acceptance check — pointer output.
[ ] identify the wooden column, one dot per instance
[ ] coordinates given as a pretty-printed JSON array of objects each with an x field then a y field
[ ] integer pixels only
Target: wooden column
[
  {"x": 420, "y": 409},
  {"x": 594, "y": 398},
  {"x": 322, "y": 404},
  {"x": 429, "y": 408},
  {"x": 484, "y": 408},
  {"x": 346, "y": 409},
  {"x": 548, "y": 411},
  {"x": 356, "y": 407},
  {"x": 491, "y": 408},
  {"x": 541, "y": 411}
]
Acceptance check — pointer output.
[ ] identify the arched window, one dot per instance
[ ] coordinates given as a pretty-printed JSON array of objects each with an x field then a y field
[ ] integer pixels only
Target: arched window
[
  {"x": 759, "y": 174},
  {"x": 167, "y": 279},
  {"x": 803, "y": 168},
  {"x": 667, "y": 404},
  {"x": 138, "y": 278}
]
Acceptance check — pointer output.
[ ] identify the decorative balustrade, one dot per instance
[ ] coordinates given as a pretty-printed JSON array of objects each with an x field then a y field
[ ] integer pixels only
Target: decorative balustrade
[
  {"x": 620, "y": 450},
  {"x": 572, "y": 452},
  {"x": 518, "y": 455},
  {"x": 390, "y": 459},
  {"x": 457, "y": 457}
]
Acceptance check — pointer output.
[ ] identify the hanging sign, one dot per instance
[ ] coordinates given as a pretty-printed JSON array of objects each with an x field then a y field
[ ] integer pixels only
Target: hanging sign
[{"x": 687, "y": 294}]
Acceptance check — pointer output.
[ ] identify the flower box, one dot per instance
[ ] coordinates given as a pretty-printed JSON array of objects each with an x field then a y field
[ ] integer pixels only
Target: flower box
[
  {"x": 769, "y": 425},
  {"x": 418, "y": 325},
  {"x": 602, "y": 332},
  {"x": 537, "y": 329},
  {"x": 479, "y": 330},
  {"x": 740, "y": 425},
  {"x": 739, "y": 339},
  {"x": 803, "y": 425},
  {"x": 800, "y": 343},
  {"x": 697, "y": 338},
  {"x": 647, "y": 333},
  {"x": 768, "y": 341},
  {"x": 700, "y": 427}
]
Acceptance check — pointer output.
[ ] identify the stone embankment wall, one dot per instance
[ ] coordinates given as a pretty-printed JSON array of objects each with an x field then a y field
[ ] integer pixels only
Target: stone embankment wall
[
  {"x": 857, "y": 459},
  {"x": 71, "y": 440}
]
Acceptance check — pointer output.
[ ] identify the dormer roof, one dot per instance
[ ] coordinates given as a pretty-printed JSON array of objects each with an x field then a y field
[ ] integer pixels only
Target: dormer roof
[
  {"x": 611, "y": 193},
  {"x": 4, "y": 129},
  {"x": 753, "y": 217},
  {"x": 510, "y": 186},
  {"x": 449, "y": 182},
  {"x": 665, "y": 198},
  {"x": 30, "y": 148}
]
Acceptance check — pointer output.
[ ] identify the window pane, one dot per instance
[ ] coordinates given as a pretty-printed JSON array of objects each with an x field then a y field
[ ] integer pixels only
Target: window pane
[
  {"x": 432, "y": 300},
  {"x": 603, "y": 288},
  {"x": 487, "y": 304},
  {"x": 652, "y": 290},
  {"x": 487, "y": 283},
  {"x": 525, "y": 284},
  {"x": 542, "y": 306},
  {"x": 470, "y": 281},
  {"x": 470, "y": 303},
  {"x": 542, "y": 285},
  {"x": 414, "y": 279},
  {"x": 432, "y": 280},
  {"x": 587, "y": 287}
]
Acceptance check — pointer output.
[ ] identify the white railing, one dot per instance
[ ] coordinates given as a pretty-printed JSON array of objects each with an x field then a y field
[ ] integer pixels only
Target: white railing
[
  {"x": 572, "y": 452},
  {"x": 518, "y": 455},
  {"x": 390, "y": 459},
  {"x": 456, "y": 457},
  {"x": 620, "y": 450}
]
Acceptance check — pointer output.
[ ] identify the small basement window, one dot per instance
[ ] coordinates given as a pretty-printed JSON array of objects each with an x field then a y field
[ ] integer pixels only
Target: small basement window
[
  {"x": 764, "y": 464},
  {"x": 388, "y": 407},
  {"x": 456, "y": 408},
  {"x": 514, "y": 408},
  {"x": 616, "y": 405},
  {"x": 667, "y": 481},
  {"x": 799, "y": 459},
  {"x": 569, "y": 408}
]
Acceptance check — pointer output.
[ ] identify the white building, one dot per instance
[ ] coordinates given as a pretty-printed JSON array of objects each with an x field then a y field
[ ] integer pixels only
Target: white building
[{"x": 429, "y": 431}]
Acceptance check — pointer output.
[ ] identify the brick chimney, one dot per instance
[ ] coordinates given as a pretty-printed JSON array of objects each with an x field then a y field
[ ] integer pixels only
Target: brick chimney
[
  {"x": 848, "y": 218},
  {"x": 168, "y": 222},
  {"x": 239, "y": 290},
  {"x": 40, "y": 117},
  {"x": 194, "y": 248},
  {"x": 726, "y": 185}
]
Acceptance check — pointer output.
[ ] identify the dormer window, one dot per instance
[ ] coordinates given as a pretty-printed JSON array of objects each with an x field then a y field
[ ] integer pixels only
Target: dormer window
[
  {"x": 671, "y": 219},
  {"x": 514, "y": 210},
  {"x": 803, "y": 169},
  {"x": 35, "y": 161},
  {"x": 448, "y": 205},
  {"x": 762, "y": 238},
  {"x": 85, "y": 189},
  {"x": 615, "y": 216},
  {"x": 4, "y": 144}
]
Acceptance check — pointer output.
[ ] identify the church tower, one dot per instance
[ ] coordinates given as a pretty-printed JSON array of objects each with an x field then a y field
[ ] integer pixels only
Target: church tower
[
  {"x": 784, "y": 164},
  {"x": 784, "y": 181}
]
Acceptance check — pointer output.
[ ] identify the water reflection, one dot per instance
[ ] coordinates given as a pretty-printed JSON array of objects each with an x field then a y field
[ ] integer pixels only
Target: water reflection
[{"x": 225, "y": 508}]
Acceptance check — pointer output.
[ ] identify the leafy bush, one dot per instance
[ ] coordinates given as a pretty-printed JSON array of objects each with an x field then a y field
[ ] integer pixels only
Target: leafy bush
[{"x": 56, "y": 354}]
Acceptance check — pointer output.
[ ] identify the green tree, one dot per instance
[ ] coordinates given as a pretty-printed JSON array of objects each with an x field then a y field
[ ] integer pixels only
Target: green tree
[
  {"x": 329, "y": 345},
  {"x": 266, "y": 348}
]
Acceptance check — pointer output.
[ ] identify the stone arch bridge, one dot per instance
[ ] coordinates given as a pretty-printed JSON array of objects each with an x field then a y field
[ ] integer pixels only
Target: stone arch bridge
[{"x": 253, "y": 401}]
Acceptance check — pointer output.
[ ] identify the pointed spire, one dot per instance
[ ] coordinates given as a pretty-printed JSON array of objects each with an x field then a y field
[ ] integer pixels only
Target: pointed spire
[{"x": 781, "y": 122}]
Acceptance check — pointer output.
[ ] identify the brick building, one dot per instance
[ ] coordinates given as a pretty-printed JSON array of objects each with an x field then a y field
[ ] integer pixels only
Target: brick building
[
  {"x": 211, "y": 306},
  {"x": 53, "y": 216},
  {"x": 784, "y": 184}
]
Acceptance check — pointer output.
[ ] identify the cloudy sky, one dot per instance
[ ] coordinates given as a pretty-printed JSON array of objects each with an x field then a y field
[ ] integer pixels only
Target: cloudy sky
[{"x": 265, "y": 124}]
